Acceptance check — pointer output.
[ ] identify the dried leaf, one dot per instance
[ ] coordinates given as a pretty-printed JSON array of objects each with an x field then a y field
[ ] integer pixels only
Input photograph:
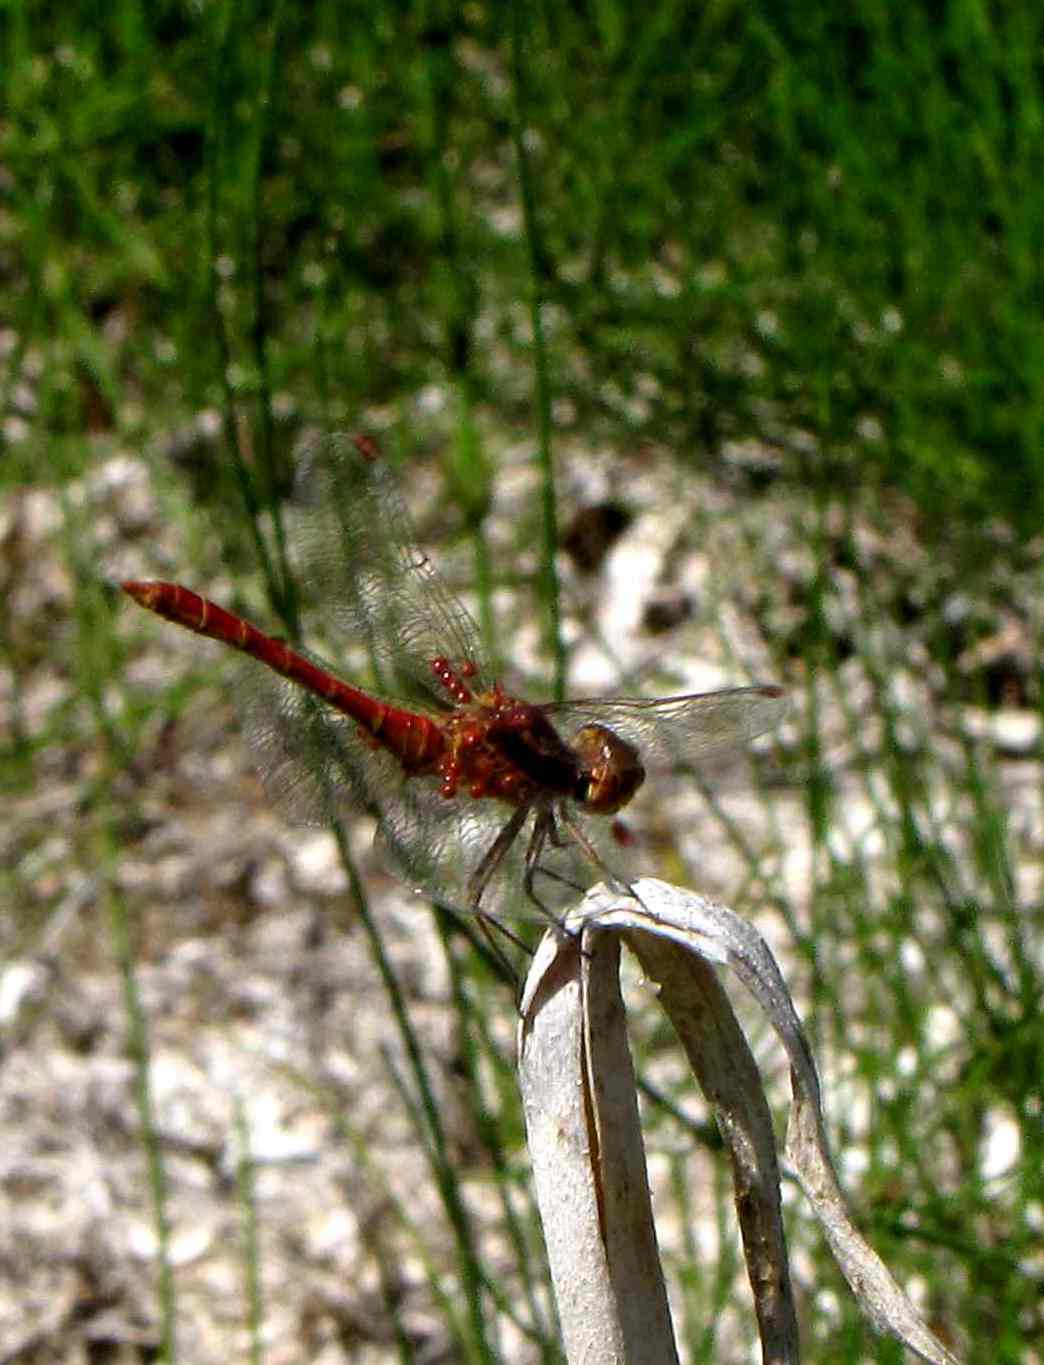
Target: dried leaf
[{"x": 582, "y": 1120}]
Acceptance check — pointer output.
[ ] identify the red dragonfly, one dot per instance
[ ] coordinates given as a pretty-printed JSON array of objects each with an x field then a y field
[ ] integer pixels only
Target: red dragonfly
[{"x": 446, "y": 750}]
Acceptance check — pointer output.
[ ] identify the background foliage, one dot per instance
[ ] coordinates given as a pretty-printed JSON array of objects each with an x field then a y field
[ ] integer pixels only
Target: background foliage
[{"x": 790, "y": 217}]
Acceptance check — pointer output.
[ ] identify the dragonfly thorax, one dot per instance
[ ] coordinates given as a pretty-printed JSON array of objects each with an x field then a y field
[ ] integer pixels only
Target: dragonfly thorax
[{"x": 610, "y": 769}]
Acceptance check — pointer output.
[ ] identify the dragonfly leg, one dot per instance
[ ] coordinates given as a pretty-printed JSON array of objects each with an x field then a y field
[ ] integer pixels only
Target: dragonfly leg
[
  {"x": 489, "y": 927},
  {"x": 545, "y": 830},
  {"x": 555, "y": 837},
  {"x": 493, "y": 857},
  {"x": 592, "y": 853},
  {"x": 480, "y": 878},
  {"x": 551, "y": 833}
]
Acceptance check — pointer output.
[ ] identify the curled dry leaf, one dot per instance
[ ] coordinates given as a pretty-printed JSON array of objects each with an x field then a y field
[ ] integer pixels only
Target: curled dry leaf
[{"x": 580, "y": 1101}]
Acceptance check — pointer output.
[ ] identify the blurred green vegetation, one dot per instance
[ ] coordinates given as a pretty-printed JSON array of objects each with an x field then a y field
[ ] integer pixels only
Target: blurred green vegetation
[
  {"x": 799, "y": 224},
  {"x": 807, "y": 229}
]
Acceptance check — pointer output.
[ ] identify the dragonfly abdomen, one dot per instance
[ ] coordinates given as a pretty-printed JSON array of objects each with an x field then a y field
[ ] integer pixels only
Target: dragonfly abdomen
[{"x": 414, "y": 739}]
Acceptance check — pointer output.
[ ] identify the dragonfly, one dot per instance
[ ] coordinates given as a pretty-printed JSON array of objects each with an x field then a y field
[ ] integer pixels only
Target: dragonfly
[{"x": 453, "y": 765}]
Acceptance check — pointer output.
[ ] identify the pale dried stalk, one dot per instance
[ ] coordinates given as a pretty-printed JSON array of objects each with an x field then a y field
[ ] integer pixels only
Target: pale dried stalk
[{"x": 581, "y": 1109}]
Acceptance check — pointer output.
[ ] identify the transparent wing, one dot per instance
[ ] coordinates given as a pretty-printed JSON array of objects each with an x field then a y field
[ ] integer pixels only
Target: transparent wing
[
  {"x": 311, "y": 759},
  {"x": 366, "y": 578},
  {"x": 457, "y": 836},
  {"x": 679, "y": 731}
]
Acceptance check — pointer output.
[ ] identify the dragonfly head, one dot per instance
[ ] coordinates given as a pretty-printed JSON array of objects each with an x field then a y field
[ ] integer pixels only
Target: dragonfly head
[{"x": 610, "y": 769}]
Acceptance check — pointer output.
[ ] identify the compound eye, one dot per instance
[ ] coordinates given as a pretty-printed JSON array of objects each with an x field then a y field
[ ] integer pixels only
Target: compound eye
[{"x": 610, "y": 769}]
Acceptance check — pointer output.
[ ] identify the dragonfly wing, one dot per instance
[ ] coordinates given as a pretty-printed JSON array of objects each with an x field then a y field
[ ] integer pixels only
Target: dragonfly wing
[
  {"x": 679, "y": 731},
  {"x": 454, "y": 841},
  {"x": 365, "y": 575},
  {"x": 311, "y": 759}
]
